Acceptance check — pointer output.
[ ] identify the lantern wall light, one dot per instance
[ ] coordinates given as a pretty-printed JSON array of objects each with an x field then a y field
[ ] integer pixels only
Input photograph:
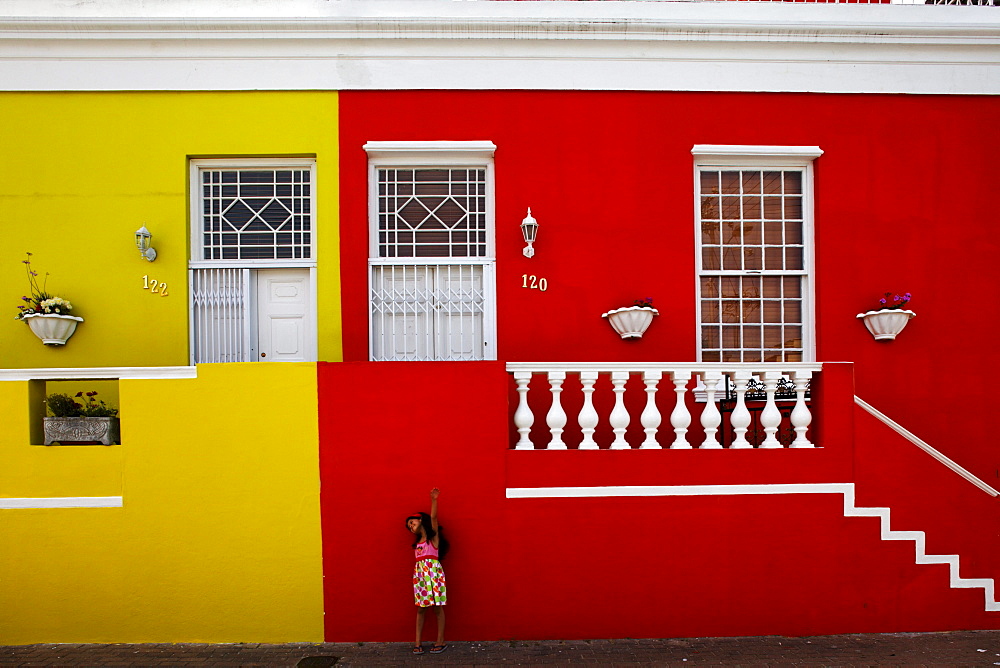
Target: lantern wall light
[
  {"x": 529, "y": 228},
  {"x": 142, "y": 242}
]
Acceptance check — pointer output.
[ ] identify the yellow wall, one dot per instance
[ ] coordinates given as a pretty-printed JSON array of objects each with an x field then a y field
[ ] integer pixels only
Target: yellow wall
[
  {"x": 80, "y": 172},
  {"x": 219, "y": 537}
]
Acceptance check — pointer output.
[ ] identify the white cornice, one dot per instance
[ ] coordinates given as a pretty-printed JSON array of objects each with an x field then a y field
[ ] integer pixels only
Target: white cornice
[{"x": 441, "y": 44}]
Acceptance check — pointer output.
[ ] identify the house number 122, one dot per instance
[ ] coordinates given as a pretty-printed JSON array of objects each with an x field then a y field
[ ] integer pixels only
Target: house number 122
[
  {"x": 154, "y": 286},
  {"x": 534, "y": 283}
]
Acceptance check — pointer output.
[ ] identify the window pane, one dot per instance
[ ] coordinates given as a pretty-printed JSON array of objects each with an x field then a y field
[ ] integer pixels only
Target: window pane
[
  {"x": 730, "y": 337},
  {"x": 709, "y": 208},
  {"x": 710, "y": 337},
  {"x": 772, "y": 286},
  {"x": 793, "y": 182},
  {"x": 709, "y": 311},
  {"x": 710, "y": 286},
  {"x": 751, "y": 182},
  {"x": 730, "y": 311},
  {"x": 731, "y": 286},
  {"x": 709, "y": 182},
  {"x": 730, "y": 183},
  {"x": 772, "y": 208},
  {"x": 793, "y": 258},
  {"x": 774, "y": 258},
  {"x": 710, "y": 258},
  {"x": 772, "y": 183},
  {"x": 709, "y": 233}
]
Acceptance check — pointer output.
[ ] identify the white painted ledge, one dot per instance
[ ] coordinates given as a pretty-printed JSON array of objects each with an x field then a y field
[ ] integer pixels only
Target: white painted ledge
[
  {"x": 441, "y": 44},
  {"x": 101, "y": 373},
  {"x": 62, "y": 502}
]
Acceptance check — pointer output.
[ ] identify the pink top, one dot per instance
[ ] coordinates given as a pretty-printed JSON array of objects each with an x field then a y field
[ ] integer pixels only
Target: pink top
[{"x": 425, "y": 550}]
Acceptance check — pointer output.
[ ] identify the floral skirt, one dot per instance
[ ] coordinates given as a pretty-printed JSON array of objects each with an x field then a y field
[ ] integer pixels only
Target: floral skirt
[{"x": 428, "y": 583}]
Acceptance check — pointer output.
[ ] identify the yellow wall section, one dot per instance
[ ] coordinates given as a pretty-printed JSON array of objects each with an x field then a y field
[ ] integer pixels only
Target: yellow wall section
[
  {"x": 80, "y": 172},
  {"x": 219, "y": 536}
]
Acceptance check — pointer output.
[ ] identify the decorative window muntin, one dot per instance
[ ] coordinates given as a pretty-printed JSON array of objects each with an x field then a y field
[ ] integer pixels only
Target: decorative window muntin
[
  {"x": 754, "y": 257},
  {"x": 256, "y": 211},
  {"x": 431, "y": 212}
]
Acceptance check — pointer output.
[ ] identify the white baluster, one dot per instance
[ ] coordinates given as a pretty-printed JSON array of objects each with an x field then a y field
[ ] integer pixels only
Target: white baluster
[
  {"x": 588, "y": 414},
  {"x": 650, "y": 417},
  {"x": 801, "y": 415},
  {"x": 556, "y": 417},
  {"x": 680, "y": 417},
  {"x": 523, "y": 417},
  {"x": 619, "y": 415},
  {"x": 770, "y": 417},
  {"x": 740, "y": 419},
  {"x": 711, "y": 418}
]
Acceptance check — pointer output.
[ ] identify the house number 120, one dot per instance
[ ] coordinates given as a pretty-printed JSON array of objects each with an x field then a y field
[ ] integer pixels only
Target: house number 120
[
  {"x": 154, "y": 286},
  {"x": 534, "y": 283}
]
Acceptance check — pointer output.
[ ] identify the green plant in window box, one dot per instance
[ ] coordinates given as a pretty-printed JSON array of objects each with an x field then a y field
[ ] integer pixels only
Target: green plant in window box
[{"x": 84, "y": 422}]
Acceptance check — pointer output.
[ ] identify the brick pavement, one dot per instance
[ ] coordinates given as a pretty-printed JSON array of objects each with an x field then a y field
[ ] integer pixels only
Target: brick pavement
[{"x": 960, "y": 648}]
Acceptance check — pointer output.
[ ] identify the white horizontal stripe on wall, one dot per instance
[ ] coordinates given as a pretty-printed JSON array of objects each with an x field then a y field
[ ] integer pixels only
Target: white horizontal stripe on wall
[
  {"x": 62, "y": 502},
  {"x": 678, "y": 490}
]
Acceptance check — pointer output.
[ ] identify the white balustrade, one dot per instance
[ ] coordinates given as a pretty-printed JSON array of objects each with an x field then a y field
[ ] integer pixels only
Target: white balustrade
[
  {"x": 588, "y": 418},
  {"x": 711, "y": 418},
  {"x": 754, "y": 390},
  {"x": 556, "y": 417},
  {"x": 650, "y": 417},
  {"x": 680, "y": 418}
]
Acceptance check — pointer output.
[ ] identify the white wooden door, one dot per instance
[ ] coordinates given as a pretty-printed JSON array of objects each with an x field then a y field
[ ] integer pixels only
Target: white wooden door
[{"x": 285, "y": 329}]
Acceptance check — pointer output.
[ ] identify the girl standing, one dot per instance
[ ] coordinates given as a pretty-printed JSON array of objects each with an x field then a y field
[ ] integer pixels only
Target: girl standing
[{"x": 428, "y": 576}]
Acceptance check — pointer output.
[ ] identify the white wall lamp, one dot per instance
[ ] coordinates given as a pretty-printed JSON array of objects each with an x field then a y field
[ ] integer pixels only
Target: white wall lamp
[
  {"x": 529, "y": 228},
  {"x": 142, "y": 237}
]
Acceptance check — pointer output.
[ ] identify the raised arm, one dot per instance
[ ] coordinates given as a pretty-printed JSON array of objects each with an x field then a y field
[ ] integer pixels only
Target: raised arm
[{"x": 434, "y": 514}]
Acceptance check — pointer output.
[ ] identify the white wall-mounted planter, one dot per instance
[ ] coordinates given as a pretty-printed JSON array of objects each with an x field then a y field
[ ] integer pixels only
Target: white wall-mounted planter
[
  {"x": 76, "y": 430},
  {"x": 630, "y": 322},
  {"x": 52, "y": 329},
  {"x": 885, "y": 324}
]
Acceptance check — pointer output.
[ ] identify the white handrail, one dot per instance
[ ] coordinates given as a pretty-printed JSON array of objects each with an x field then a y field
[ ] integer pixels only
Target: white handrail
[{"x": 954, "y": 466}]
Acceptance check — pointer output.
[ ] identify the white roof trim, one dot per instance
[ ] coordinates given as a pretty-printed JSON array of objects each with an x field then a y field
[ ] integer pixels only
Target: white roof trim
[{"x": 438, "y": 44}]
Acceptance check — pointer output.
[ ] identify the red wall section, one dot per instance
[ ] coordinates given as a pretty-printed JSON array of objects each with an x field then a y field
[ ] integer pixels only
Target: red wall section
[
  {"x": 924, "y": 495},
  {"x": 901, "y": 192},
  {"x": 389, "y": 432},
  {"x": 604, "y": 567}
]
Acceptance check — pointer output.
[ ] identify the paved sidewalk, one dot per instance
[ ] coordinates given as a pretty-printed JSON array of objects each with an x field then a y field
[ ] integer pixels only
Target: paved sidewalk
[{"x": 961, "y": 648}]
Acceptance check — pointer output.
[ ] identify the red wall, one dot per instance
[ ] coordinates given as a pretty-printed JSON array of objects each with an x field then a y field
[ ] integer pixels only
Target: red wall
[
  {"x": 904, "y": 193},
  {"x": 606, "y": 567}
]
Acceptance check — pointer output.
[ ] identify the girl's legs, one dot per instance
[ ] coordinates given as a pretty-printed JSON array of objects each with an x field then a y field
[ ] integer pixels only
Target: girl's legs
[
  {"x": 420, "y": 624},
  {"x": 439, "y": 610}
]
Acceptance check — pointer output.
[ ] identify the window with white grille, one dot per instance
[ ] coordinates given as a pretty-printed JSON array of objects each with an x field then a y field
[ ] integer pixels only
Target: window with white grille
[
  {"x": 254, "y": 213},
  {"x": 252, "y": 240},
  {"x": 754, "y": 239},
  {"x": 431, "y": 264}
]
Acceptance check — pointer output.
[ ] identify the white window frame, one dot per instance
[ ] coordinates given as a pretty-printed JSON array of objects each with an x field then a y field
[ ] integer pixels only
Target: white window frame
[
  {"x": 721, "y": 156},
  {"x": 195, "y": 229},
  {"x": 431, "y": 154}
]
